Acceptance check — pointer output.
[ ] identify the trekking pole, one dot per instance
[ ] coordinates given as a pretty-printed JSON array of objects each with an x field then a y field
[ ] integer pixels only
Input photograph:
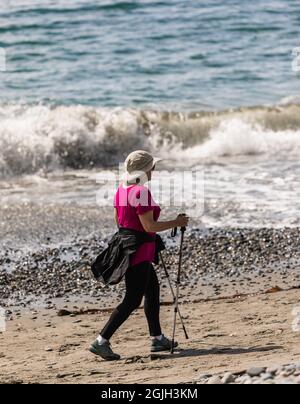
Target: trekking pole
[
  {"x": 173, "y": 294},
  {"x": 183, "y": 229}
]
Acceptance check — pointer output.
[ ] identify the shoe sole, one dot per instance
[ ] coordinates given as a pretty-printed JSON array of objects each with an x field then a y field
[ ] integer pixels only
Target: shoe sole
[
  {"x": 160, "y": 350},
  {"x": 109, "y": 359}
]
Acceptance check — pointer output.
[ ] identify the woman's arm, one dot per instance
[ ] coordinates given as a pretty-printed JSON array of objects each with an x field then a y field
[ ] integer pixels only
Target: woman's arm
[
  {"x": 116, "y": 217},
  {"x": 151, "y": 226}
]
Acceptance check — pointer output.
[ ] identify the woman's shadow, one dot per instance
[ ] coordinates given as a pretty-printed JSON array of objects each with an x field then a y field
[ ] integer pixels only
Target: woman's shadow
[{"x": 185, "y": 353}]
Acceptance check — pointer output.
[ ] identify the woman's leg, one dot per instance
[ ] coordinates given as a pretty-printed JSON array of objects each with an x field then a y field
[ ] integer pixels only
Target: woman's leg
[
  {"x": 136, "y": 281},
  {"x": 152, "y": 303}
]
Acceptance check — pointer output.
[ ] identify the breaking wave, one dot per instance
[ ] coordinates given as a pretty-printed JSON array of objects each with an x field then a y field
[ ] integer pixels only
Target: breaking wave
[{"x": 46, "y": 138}]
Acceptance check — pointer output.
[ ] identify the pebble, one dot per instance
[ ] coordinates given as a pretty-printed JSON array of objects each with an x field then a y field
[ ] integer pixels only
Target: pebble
[
  {"x": 212, "y": 255},
  {"x": 215, "y": 380},
  {"x": 279, "y": 374},
  {"x": 228, "y": 378},
  {"x": 253, "y": 372}
]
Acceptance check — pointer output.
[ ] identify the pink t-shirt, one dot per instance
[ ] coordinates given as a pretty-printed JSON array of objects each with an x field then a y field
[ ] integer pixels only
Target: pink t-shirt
[{"x": 131, "y": 202}]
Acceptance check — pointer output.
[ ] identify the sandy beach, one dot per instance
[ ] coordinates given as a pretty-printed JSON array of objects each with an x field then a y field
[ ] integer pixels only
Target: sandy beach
[
  {"x": 231, "y": 335},
  {"x": 239, "y": 290}
]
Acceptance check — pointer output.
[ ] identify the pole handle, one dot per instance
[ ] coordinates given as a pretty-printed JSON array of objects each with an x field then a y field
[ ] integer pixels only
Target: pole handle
[{"x": 175, "y": 230}]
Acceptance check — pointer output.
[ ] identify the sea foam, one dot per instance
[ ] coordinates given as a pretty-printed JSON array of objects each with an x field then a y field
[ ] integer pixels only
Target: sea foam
[{"x": 47, "y": 138}]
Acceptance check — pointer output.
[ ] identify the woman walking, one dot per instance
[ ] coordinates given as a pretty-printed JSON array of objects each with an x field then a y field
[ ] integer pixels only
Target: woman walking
[{"x": 135, "y": 210}]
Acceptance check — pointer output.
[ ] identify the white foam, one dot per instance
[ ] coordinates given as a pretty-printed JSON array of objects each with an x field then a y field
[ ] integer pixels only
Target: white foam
[
  {"x": 236, "y": 137},
  {"x": 35, "y": 138},
  {"x": 290, "y": 100},
  {"x": 39, "y": 137}
]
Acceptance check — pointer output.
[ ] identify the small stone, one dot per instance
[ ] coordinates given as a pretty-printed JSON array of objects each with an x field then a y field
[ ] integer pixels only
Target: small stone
[
  {"x": 255, "y": 372},
  {"x": 273, "y": 370},
  {"x": 291, "y": 367},
  {"x": 204, "y": 376},
  {"x": 286, "y": 373},
  {"x": 215, "y": 380},
  {"x": 248, "y": 381},
  {"x": 63, "y": 375},
  {"x": 228, "y": 378},
  {"x": 64, "y": 313},
  {"x": 95, "y": 372},
  {"x": 267, "y": 376},
  {"x": 269, "y": 381}
]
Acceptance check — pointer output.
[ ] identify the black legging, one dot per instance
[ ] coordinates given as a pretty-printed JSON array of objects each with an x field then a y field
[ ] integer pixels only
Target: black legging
[{"x": 141, "y": 280}]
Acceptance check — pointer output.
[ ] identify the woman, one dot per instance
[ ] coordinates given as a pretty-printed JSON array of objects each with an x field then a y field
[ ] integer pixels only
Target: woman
[{"x": 135, "y": 209}]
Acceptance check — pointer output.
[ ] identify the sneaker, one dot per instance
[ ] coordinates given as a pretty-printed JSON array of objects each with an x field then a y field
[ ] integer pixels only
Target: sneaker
[
  {"x": 162, "y": 345},
  {"x": 104, "y": 350}
]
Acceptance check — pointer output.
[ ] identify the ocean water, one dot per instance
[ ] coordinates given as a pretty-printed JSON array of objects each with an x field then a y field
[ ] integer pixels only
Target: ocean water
[
  {"x": 174, "y": 54},
  {"x": 206, "y": 85}
]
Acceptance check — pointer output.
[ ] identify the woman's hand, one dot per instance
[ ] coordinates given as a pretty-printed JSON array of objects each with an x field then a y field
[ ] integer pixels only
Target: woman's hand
[{"x": 182, "y": 221}]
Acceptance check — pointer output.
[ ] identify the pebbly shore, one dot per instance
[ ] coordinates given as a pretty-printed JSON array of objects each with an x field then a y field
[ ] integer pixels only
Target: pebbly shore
[
  {"x": 216, "y": 263},
  {"x": 277, "y": 374}
]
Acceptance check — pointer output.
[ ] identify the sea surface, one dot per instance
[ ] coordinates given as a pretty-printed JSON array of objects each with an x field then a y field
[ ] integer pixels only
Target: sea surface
[{"x": 210, "y": 86}]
